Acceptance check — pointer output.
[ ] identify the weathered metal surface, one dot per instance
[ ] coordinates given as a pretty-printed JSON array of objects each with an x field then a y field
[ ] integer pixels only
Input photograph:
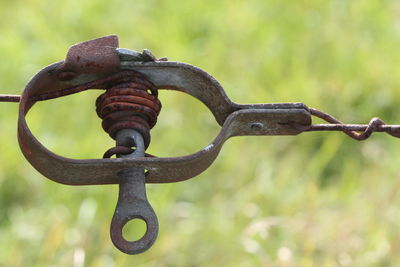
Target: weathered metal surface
[
  {"x": 236, "y": 120},
  {"x": 199, "y": 84},
  {"x": 132, "y": 200},
  {"x": 94, "y": 56}
]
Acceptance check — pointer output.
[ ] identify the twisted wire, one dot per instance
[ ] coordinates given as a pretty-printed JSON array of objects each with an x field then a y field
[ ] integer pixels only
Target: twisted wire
[{"x": 356, "y": 131}]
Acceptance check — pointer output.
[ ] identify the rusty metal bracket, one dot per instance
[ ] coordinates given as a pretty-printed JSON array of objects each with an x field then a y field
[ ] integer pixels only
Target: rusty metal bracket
[
  {"x": 235, "y": 119},
  {"x": 93, "y": 64},
  {"x": 89, "y": 65}
]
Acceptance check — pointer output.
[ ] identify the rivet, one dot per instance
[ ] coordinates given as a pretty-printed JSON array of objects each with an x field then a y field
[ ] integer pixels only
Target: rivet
[{"x": 257, "y": 126}]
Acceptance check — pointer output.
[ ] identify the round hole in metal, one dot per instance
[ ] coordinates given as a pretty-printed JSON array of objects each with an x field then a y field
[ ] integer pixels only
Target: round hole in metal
[{"x": 134, "y": 230}]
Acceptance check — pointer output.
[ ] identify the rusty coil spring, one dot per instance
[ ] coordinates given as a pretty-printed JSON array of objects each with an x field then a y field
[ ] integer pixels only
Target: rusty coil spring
[{"x": 130, "y": 103}]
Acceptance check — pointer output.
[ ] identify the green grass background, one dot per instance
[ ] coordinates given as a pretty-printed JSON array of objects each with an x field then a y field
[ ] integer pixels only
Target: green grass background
[{"x": 318, "y": 199}]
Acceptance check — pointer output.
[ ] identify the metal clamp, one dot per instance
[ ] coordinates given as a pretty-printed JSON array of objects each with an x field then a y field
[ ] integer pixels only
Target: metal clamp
[
  {"x": 235, "y": 119},
  {"x": 91, "y": 65},
  {"x": 84, "y": 67}
]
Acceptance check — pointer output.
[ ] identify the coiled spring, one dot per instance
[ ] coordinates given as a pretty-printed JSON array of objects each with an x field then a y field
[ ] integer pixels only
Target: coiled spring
[{"x": 130, "y": 103}]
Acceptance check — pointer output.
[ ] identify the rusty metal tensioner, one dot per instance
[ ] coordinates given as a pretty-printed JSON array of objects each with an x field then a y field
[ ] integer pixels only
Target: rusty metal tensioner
[{"x": 129, "y": 108}]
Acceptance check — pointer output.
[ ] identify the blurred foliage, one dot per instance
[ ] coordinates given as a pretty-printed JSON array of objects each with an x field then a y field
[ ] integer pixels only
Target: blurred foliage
[{"x": 318, "y": 199}]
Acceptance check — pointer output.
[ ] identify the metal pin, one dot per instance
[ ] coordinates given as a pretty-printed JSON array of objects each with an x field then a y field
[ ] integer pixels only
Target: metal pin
[{"x": 132, "y": 199}]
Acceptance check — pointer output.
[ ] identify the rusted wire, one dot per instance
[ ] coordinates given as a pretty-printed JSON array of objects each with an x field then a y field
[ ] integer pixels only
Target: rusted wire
[
  {"x": 122, "y": 150},
  {"x": 356, "y": 131},
  {"x": 10, "y": 98},
  {"x": 117, "y": 150}
]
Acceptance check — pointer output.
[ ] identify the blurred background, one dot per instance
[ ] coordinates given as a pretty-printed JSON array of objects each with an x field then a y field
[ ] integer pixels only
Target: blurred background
[{"x": 318, "y": 199}]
